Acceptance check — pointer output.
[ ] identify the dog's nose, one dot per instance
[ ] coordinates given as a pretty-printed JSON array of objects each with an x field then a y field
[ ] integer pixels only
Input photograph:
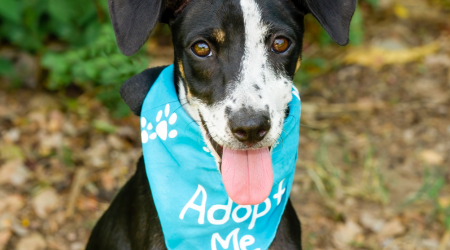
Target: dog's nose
[{"x": 250, "y": 128}]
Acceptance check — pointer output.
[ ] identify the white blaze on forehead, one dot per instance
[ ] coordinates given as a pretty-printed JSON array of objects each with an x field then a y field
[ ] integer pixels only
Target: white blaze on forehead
[
  {"x": 258, "y": 86},
  {"x": 255, "y": 53}
]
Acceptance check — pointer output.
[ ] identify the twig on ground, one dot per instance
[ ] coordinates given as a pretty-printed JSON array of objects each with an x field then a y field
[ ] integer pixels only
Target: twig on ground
[
  {"x": 77, "y": 185},
  {"x": 445, "y": 240}
]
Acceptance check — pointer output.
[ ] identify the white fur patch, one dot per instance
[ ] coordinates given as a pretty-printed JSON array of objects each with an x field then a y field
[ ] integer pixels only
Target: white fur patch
[
  {"x": 257, "y": 87},
  {"x": 192, "y": 109}
]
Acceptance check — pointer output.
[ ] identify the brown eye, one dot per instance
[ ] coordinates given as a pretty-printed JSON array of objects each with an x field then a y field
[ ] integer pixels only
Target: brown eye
[
  {"x": 201, "y": 49},
  {"x": 280, "y": 45}
]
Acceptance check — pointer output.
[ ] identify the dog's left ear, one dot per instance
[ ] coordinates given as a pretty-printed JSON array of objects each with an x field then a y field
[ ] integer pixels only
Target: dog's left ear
[
  {"x": 133, "y": 20},
  {"x": 334, "y": 16}
]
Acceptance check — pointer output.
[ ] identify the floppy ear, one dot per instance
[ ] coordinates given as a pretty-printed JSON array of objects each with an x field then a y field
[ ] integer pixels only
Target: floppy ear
[
  {"x": 334, "y": 16},
  {"x": 135, "y": 89},
  {"x": 133, "y": 21}
]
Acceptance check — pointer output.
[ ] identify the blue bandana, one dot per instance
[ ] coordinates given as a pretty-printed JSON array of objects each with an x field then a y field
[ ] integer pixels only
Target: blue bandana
[{"x": 193, "y": 206}]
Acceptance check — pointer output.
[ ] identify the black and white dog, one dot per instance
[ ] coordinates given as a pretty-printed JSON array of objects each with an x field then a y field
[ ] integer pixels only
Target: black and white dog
[{"x": 234, "y": 66}]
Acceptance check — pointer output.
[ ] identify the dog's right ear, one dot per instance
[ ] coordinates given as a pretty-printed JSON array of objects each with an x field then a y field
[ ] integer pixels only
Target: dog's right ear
[{"x": 133, "y": 21}]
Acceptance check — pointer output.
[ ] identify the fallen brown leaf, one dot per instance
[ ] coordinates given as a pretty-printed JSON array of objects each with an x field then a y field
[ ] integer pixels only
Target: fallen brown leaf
[
  {"x": 45, "y": 202},
  {"x": 32, "y": 242},
  {"x": 375, "y": 57},
  {"x": 4, "y": 238},
  {"x": 346, "y": 233},
  {"x": 392, "y": 228},
  {"x": 14, "y": 172},
  {"x": 431, "y": 157},
  {"x": 372, "y": 222}
]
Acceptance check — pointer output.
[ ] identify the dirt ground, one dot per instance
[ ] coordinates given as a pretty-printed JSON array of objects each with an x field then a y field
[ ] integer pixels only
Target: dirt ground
[{"x": 374, "y": 163}]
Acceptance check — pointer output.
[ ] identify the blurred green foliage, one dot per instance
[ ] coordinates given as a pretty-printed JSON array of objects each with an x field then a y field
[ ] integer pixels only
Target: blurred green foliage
[
  {"x": 98, "y": 64},
  {"x": 29, "y": 24},
  {"x": 75, "y": 43}
]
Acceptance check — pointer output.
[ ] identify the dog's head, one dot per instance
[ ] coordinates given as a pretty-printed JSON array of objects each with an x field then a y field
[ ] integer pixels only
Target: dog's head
[{"x": 234, "y": 59}]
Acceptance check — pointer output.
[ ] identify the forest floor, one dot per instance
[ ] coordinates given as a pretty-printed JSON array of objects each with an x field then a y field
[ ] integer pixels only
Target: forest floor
[{"x": 373, "y": 170}]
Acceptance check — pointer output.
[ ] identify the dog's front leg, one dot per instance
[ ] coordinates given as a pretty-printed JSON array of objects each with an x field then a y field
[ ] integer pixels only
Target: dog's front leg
[{"x": 289, "y": 231}]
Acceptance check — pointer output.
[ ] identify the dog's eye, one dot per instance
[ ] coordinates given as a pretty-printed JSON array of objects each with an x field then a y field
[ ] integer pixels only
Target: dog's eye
[
  {"x": 280, "y": 45},
  {"x": 201, "y": 49}
]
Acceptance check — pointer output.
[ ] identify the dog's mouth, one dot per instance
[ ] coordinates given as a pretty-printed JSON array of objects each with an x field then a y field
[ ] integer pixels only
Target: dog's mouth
[{"x": 246, "y": 174}]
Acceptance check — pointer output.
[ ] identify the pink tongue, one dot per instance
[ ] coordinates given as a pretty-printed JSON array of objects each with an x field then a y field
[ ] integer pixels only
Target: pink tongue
[{"x": 247, "y": 175}]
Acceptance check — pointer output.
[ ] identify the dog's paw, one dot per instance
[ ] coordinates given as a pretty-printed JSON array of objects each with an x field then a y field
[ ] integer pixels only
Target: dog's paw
[{"x": 161, "y": 126}]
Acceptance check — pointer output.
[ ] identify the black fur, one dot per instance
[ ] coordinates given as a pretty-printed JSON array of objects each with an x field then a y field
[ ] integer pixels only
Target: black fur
[
  {"x": 133, "y": 20},
  {"x": 131, "y": 222},
  {"x": 333, "y": 15},
  {"x": 135, "y": 89}
]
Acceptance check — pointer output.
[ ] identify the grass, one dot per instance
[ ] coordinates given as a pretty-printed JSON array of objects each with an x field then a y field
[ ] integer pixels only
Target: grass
[
  {"x": 432, "y": 192},
  {"x": 333, "y": 183},
  {"x": 335, "y": 179}
]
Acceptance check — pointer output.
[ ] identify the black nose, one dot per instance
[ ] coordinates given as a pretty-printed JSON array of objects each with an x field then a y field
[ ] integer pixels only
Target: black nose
[{"x": 249, "y": 127}]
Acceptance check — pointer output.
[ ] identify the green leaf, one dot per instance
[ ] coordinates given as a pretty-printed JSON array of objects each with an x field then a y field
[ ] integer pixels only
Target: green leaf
[
  {"x": 121, "y": 110},
  {"x": 10, "y": 10},
  {"x": 66, "y": 157},
  {"x": 103, "y": 5},
  {"x": 373, "y": 3},
  {"x": 436, "y": 186},
  {"x": 324, "y": 38},
  {"x": 19, "y": 36},
  {"x": 62, "y": 11},
  {"x": 357, "y": 28},
  {"x": 6, "y": 68},
  {"x": 109, "y": 76},
  {"x": 55, "y": 63},
  {"x": 76, "y": 11},
  {"x": 104, "y": 126},
  {"x": 90, "y": 70},
  {"x": 91, "y": 32},
  {"x": 447, "y": 222}
]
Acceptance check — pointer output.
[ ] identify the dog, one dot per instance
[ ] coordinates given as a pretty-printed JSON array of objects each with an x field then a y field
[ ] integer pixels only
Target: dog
[{"x": 234, "y": 63}]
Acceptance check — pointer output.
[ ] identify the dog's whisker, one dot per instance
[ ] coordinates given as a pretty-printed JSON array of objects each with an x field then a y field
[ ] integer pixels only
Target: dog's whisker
[
  {"x": 156, "y": 107},
  {"x": 282, "y": 140},
  {"x": 285, "y": 120},
  {"x": 188, "y": 126},
  {"x": 196, "y": 121},
  {"x": 181, "y": 106}
]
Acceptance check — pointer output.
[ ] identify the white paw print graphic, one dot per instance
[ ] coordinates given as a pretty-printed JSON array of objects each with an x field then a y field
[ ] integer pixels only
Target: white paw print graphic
[{"x": 161, "y": 127}]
